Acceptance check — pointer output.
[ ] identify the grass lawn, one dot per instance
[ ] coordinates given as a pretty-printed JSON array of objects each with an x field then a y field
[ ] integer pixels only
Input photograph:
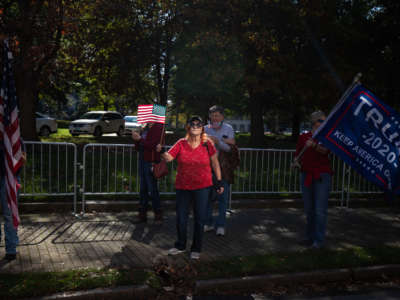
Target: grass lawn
[
  {"x": 242, "y": 139},
  {"x": 39, "y": 284},
  {"x": 63, "y": 136}
]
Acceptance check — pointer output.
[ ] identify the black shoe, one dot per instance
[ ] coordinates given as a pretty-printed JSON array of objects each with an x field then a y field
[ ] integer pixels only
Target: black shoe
[
  {"x": 10, "y": 256},
  {"x": 158, "y": 218},
  {"x": 141, "y": 218},
  {"x": 317, "y": 246}
]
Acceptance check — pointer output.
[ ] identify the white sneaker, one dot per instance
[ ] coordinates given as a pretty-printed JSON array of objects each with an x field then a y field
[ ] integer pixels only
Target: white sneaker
[
  {"x": 221, "y": 231},
  {"x": 208, "y": 228},
  {"x": 194, "y": 255},
  {"x": 175, "y": 251}
]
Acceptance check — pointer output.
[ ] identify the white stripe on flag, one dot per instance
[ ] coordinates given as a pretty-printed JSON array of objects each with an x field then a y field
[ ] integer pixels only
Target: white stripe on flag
[{"x": 145, "y": 114}]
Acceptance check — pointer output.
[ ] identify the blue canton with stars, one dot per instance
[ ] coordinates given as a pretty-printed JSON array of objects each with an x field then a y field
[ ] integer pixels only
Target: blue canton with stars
[{"x": 159, "y": 110}]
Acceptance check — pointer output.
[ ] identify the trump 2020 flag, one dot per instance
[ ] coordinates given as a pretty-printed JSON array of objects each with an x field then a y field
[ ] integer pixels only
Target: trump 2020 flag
[
  {"x": 151, "y": 113},
  {"x": 10, "y": 134},
  {"x": 365, "y": 133}
]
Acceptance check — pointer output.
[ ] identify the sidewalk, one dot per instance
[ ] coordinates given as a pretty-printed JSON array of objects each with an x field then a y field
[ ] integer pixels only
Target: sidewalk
[{"x": 62, "y": 242}]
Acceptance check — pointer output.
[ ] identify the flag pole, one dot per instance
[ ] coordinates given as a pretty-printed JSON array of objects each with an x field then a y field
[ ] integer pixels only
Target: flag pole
[{"x": 356, "y": 81}]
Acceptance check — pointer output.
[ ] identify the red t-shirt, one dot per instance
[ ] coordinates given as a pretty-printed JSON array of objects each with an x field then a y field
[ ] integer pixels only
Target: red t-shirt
[
  {"x": 194, "y": 166},
  {"x": 312, "y": 162}
]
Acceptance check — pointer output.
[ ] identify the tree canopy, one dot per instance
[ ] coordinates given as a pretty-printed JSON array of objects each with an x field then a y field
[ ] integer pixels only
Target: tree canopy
[{"x": 258, "y": 58}]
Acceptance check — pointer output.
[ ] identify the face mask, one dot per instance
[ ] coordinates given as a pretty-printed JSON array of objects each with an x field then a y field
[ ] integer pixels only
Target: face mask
[{"x": 216, "y": 125}]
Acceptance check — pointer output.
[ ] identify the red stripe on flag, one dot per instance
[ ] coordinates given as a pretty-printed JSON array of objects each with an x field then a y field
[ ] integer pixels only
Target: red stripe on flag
[
  {"x": 10, "y": 133},
  {"x": 381, "y": 179},
  {"x": 145, "y": 114}
]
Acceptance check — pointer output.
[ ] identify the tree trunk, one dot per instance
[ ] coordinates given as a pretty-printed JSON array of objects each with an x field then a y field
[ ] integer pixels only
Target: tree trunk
[
  {"x": 177, "y": 105},
  {"x": 257, "y": 123},
  {"x": 26, "y": 86},
  {"x": 295, "y": 126}
]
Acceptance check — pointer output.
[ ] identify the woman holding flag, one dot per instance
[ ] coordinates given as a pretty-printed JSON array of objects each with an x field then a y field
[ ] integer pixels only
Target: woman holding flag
[
  {"x": 316, "y": 175},
  {"x": 196, "y": 155}
]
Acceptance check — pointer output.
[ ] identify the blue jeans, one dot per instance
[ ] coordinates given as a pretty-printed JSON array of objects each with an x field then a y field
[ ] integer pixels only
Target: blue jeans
[
  {"x": 10, "y": 233},
  {"x": 315, "y": 199},
  {"x": 223, "y": 200},
  {"x": 148, "y": 187},
  {"x": 199, "y": 198}
]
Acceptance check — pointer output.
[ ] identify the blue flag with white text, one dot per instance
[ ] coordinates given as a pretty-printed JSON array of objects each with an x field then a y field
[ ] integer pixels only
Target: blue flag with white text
[{"x": 365, "y": 133}]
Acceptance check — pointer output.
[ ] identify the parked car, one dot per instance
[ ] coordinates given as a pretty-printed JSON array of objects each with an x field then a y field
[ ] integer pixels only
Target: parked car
[
  {"x": 97, "y": 123},
  {"x": 131, "y": 124},
  {"x": 45, "y": 125}
]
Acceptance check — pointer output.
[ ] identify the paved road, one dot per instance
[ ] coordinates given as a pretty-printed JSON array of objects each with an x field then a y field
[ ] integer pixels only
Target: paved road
[
  {"x": 390, "y": 294},
  {"x": 62, "y": 242}
]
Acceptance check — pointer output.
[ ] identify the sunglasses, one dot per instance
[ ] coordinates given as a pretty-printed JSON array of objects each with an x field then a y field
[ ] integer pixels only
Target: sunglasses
[
  {"x": 196, "y": 125},
  {"x": 319, "y": 121}
]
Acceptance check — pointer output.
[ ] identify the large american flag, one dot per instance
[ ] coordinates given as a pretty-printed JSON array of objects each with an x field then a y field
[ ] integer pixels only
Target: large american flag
[
  {"x": 151, "y": 113},
  {"x": 10, "y": 133}
]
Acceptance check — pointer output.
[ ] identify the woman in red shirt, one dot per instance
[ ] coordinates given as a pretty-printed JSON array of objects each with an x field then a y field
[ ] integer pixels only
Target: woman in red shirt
[
  {"x": 316, "y": 175},
  {"x": 195, "y": 155}
]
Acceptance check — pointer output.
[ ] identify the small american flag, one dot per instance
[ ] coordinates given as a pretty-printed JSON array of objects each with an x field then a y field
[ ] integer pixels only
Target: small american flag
[
  {"x": 151, "y": 113},
  {"x": 10, "y": 133}
]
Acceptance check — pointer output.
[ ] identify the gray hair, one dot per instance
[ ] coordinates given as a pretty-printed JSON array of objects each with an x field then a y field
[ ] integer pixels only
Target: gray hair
[
  {"x": 216, "y": 108},
  {"x": 316, "y": 115}
]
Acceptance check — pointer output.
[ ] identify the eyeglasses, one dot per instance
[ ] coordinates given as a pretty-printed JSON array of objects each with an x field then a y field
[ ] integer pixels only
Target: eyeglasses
[
  {"x": 196, "y": 125},
  {"x": 319, "y": 121}
]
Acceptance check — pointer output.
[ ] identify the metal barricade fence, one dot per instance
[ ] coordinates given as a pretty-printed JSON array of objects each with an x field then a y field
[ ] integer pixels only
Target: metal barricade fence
[
  {"x": 268, "y": 171},
  {"x": 354, "y": 183},
  {"x": 50, "y": 170},
  {"x": 112, "y": 169}
]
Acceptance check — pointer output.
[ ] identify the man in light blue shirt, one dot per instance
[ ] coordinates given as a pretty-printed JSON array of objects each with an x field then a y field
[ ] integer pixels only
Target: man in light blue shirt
[{"x": 222, "y": 135}]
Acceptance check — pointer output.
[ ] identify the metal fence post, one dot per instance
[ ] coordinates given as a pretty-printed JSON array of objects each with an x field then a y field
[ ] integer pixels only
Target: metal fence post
[
  {"x": 230, "y": 210},
  {"x": 343, "y": 188},
  {"x": 84, "y": 179},
  {"x": 348, "y": 187}
]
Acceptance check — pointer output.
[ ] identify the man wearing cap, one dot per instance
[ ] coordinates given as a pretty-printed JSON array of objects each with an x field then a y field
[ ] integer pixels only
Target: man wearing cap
[{"x": 223, "y": 137}]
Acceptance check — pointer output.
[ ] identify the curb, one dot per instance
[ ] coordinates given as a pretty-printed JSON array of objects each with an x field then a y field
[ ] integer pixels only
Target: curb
[
  {"x": 375, "y": 272},
  {"x": 124, "y": 292},
  {"x": 262, "y": 280},
  {"x": 247, "y": 282}
]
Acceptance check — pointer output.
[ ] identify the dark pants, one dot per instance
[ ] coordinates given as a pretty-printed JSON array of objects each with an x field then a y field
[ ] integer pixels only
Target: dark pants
[
  {"x": 148, "y": 187},
  {"x": 184, "y": 198},
  {"x": 11, "y": 234},
  {"x": 315, "y": 199}
]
